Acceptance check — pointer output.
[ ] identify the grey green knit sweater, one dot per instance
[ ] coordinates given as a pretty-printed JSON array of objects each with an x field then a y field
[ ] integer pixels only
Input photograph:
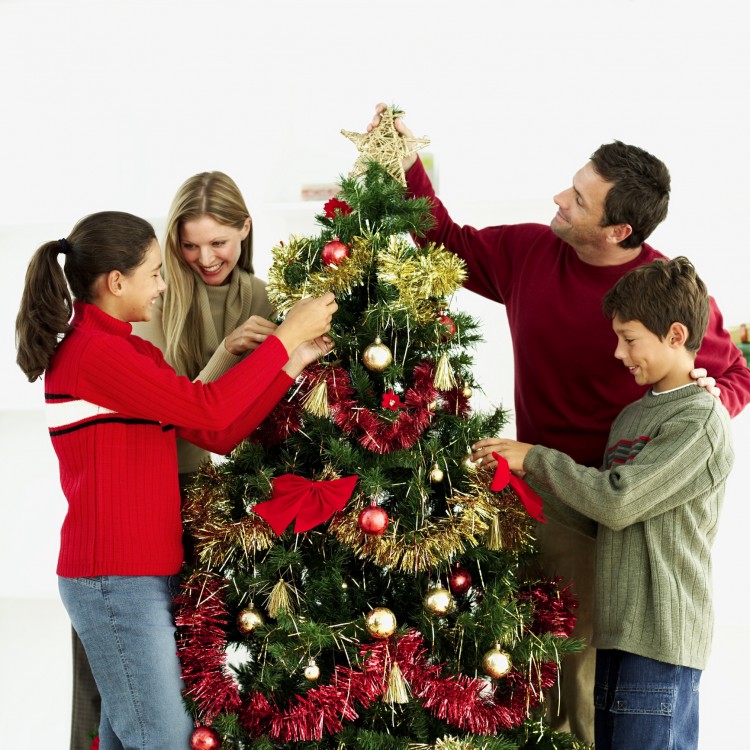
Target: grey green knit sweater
[{"x": 655, "y": 505}]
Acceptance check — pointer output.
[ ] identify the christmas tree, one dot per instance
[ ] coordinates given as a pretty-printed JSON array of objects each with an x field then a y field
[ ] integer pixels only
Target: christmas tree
[{"x": 357, "y": 581}]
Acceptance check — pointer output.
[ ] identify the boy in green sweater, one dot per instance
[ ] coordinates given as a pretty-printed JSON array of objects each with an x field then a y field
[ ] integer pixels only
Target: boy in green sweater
[{"x": 654, "y": 510}]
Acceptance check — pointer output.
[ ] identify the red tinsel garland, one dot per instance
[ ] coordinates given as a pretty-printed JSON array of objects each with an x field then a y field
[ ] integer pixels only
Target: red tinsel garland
[
  {"x": 461, "y": 701},
  {"x": 201, "y": 617},
  {"x": 371, "y": 429}
]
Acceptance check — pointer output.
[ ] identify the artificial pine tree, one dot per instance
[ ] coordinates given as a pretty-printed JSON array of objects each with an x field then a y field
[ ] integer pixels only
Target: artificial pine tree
[{"x": 357, "y": 581}]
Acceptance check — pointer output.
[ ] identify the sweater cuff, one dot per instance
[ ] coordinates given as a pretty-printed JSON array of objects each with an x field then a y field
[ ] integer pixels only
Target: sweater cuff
[
  {"x": 417, "y": 181},
  {"x": 221, "y": 361}
]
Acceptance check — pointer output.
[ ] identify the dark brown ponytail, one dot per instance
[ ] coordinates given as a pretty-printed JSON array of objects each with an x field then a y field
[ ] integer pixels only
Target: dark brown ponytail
[{"x": 100, "y": 243}]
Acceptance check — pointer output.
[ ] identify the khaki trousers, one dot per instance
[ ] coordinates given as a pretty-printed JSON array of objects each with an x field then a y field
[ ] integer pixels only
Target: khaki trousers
[
  {"x": 570, "y": 556},
  {"x": 86, "y": 701}
]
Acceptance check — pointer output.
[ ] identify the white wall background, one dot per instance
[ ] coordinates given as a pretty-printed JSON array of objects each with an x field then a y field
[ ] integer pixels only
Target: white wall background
[{"x": 112, "y": 104}]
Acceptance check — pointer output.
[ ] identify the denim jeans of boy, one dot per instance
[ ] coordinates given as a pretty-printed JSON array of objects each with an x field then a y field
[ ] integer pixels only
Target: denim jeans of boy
[
  {"x": 127, "y": 628},
  {"x": 643, "y": 704}
]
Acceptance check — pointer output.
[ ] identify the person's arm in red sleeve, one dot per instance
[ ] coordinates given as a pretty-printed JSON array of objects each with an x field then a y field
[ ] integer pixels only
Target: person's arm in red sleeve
[
  {"x": 224, "y": 441},
  {"x": 723, "y": 361}
]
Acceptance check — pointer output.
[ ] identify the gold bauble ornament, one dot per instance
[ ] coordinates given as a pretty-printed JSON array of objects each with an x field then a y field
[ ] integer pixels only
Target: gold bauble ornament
[
  {"x": 496, "y": 663},
  {"x": 439, "y": 601},
  {"x": 377, "y": 356},
  {"x": 432, "y": 406},
  {"x": 467, "y": 391},
  {"x": 381, "y": 622},
  {"x": 249, "y": 620},
  {"x": 312, "y": 671},
  {"x": 469, "y": 465},
  {"x": 436, "y": 474}
]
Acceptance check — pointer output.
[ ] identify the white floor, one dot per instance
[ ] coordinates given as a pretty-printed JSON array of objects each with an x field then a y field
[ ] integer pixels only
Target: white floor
[{"x": 36, "y": 680}]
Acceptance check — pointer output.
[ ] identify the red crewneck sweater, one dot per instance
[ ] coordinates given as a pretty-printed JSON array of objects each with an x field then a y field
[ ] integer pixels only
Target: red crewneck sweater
[
  {"x": 568, "y": 385},
  {"x": 114, "y": 408}
]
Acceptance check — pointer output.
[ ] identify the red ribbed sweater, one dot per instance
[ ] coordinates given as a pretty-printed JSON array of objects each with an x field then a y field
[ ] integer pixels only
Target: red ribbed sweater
[{"x": 114, "y": 410}]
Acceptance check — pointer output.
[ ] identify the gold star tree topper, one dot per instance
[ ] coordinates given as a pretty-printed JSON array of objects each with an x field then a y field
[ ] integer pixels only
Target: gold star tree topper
[{"x": 384, "y": 145}]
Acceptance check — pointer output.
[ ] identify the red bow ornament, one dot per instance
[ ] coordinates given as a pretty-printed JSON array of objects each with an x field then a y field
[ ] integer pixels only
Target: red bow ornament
[
  {"x": 305, "y": 502},
  {"x": 504, "y": 477}
]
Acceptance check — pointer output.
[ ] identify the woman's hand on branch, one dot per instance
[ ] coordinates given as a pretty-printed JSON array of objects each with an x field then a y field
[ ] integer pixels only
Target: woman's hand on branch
[{"x": 249, "y": 336}]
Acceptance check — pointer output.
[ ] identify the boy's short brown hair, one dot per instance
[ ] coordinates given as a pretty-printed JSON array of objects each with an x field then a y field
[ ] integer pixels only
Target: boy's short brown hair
[{"x": 660, "y": 293}]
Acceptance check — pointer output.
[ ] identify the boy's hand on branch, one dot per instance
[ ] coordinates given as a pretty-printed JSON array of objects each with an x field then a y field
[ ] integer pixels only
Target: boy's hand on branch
[{"x": 511, "y": 450}]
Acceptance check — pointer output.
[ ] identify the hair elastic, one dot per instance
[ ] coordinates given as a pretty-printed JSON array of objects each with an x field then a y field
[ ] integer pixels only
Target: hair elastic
[{"x": 64, "y": 246}]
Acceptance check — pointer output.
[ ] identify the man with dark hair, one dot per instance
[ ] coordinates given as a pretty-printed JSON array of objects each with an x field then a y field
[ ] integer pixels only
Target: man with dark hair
[{"x": 568, "y": 387}]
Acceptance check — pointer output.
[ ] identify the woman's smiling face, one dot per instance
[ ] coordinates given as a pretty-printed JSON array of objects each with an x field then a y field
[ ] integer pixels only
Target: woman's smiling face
[{"x": 211, "y": 249}]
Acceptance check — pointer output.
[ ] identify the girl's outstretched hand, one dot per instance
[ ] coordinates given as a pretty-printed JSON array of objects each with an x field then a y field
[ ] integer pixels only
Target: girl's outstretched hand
[
  {"x": 306, "y": 353},
  {"x": 307, "y": 320}
]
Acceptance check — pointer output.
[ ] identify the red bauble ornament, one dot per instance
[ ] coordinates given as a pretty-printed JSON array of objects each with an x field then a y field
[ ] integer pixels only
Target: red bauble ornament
[
  {"x": 459, "y": 580},
  {"x": 373, "y": 520},
  {"x": 335, "y": 252},
  {"x": 205, "y": 738},
  {"x": 450, "y": 327}
]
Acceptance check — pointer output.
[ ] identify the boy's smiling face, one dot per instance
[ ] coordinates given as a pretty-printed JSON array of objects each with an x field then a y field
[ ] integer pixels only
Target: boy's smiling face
[{"x": 660, "y": 363}]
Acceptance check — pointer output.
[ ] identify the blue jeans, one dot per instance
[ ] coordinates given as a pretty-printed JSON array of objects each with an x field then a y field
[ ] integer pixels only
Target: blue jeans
[
  {"x": 127, "y": 629},
  {"x": 643, "y": 704}
]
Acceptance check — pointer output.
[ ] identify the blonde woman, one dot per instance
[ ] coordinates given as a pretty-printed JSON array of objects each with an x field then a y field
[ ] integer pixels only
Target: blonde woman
[{"x": 215, "y": 310}]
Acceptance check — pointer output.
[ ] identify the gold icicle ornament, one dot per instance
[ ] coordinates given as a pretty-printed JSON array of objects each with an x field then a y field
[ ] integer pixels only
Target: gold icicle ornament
[
  {"x": 397, "y": 690},
  {"x": 444, "y": 379},
  {"x": 280, "y": 599},
  {"x": 316, "y": 401},
  {"x": 494, "y": 539}
]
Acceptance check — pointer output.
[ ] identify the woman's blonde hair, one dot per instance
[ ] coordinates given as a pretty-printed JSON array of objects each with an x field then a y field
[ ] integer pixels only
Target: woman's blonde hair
[{"x": 211, "y": 194}]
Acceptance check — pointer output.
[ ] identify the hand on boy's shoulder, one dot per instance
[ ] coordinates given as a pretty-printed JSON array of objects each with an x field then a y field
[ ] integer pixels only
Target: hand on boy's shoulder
[{"x": 702, "y": 378}]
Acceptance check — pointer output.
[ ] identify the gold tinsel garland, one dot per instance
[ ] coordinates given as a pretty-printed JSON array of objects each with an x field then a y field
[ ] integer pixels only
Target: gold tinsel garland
[
  {"x": 337, "y": 279},
  {"x": 479, "y": 515},
  {"x": 221, "y": 542},
  {"x": 450, "y": 743},
  {"x": 496, "y": 517},
  {"x": 422, "y": 276}
]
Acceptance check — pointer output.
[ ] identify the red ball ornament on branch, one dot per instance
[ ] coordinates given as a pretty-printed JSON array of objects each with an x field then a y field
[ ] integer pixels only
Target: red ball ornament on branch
[
  {"x": 448, "y": 325},
  {"x": 373, "y": 520},
  {"x": 459, "y": 580},
  {"x": 205, "y": 738},
  {"x": 335, "y": 252}
]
